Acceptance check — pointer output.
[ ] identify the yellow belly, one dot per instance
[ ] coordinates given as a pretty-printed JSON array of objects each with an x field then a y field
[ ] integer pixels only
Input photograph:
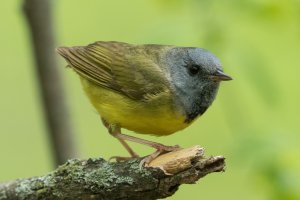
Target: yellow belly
[{"x": 158, "y": 116}]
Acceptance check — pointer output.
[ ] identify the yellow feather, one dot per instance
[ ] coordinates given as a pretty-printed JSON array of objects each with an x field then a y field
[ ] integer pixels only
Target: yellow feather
[{"x": 157, "y": 116}]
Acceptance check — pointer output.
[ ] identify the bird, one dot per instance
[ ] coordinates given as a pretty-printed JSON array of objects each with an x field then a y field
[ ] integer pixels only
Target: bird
[{"x": 147, "y": 88}]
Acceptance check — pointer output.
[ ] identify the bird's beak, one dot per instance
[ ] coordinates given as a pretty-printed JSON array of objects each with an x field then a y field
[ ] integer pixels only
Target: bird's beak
[{"x": 220, "y": 76}]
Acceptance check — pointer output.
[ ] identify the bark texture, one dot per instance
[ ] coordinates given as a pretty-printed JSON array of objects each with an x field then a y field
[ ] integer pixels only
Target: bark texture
[{"x": 99, "y": 179}]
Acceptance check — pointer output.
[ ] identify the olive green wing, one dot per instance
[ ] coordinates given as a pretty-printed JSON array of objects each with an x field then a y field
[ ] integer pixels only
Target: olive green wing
[{"x": 127, "y": 69}]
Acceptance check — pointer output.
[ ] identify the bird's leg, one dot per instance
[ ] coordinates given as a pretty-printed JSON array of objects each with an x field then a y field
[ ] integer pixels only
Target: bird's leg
[
  {"x": 115, "y": 131},
  {"x": 125, "y": 145},
  {"x": 160, "y": 148},
  {"x": 128, "y": 148}
]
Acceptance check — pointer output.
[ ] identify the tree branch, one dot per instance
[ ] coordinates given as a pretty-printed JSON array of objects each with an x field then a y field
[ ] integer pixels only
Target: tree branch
[
  {"x": 99, "y": 179},
  {"x": 39, "y": 17}
]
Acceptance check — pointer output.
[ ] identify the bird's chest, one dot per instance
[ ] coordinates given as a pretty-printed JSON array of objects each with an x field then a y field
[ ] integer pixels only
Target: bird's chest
[
  {"x": 156, "y": 121},
  {"x": 158, "y": 116}
]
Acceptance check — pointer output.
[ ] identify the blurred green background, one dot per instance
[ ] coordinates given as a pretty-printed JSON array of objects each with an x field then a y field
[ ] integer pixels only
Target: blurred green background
[{"x": 254, "y": 122}]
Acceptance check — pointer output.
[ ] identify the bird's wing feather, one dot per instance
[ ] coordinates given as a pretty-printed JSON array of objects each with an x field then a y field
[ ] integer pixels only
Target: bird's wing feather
[{"x": 121, "y": 67}]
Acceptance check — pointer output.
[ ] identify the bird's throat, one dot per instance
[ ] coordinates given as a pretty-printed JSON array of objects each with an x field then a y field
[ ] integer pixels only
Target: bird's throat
[{"x": 194, "y": 113}]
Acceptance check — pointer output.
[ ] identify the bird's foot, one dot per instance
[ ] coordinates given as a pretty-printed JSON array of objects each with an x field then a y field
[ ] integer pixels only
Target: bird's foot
[
  {"x": 123, "y": 158},
  {"x": 160, "y": 149},
  {"x": 165, "y": 149}
]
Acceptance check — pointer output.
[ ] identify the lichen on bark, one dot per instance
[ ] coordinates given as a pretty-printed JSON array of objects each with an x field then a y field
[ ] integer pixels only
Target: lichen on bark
[{"x": 96, "y": 178}]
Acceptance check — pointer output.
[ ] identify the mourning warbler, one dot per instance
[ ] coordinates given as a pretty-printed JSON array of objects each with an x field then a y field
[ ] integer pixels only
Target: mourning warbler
[{"x": 149, "y": 89}]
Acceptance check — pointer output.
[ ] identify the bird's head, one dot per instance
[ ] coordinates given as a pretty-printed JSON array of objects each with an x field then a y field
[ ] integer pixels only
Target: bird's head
[{"x": 195, "y": 75}]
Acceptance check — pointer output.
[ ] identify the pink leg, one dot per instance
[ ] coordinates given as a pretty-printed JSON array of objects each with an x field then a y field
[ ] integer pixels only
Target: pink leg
[
  {"x": 160, "y": 148},
  {"x": 125, "y": 145},
  {"x": 155, "y": 145}
]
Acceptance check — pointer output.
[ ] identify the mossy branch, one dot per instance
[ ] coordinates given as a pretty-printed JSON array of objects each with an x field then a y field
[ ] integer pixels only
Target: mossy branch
[{"x": 99, "y": 179}]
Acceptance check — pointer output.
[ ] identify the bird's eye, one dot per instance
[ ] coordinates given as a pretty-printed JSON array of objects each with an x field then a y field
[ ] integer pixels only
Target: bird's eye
[{"x": 193, "y": 70}]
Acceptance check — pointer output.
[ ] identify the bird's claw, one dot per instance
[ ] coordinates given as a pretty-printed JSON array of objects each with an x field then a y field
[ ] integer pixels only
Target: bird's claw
[
  {"x": 122, "y": 158},
  {"x": 162, "y": 149}
]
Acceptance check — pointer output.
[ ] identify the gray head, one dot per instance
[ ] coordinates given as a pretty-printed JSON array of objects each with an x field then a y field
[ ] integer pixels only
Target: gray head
[{"x": 195, "y": 75}]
